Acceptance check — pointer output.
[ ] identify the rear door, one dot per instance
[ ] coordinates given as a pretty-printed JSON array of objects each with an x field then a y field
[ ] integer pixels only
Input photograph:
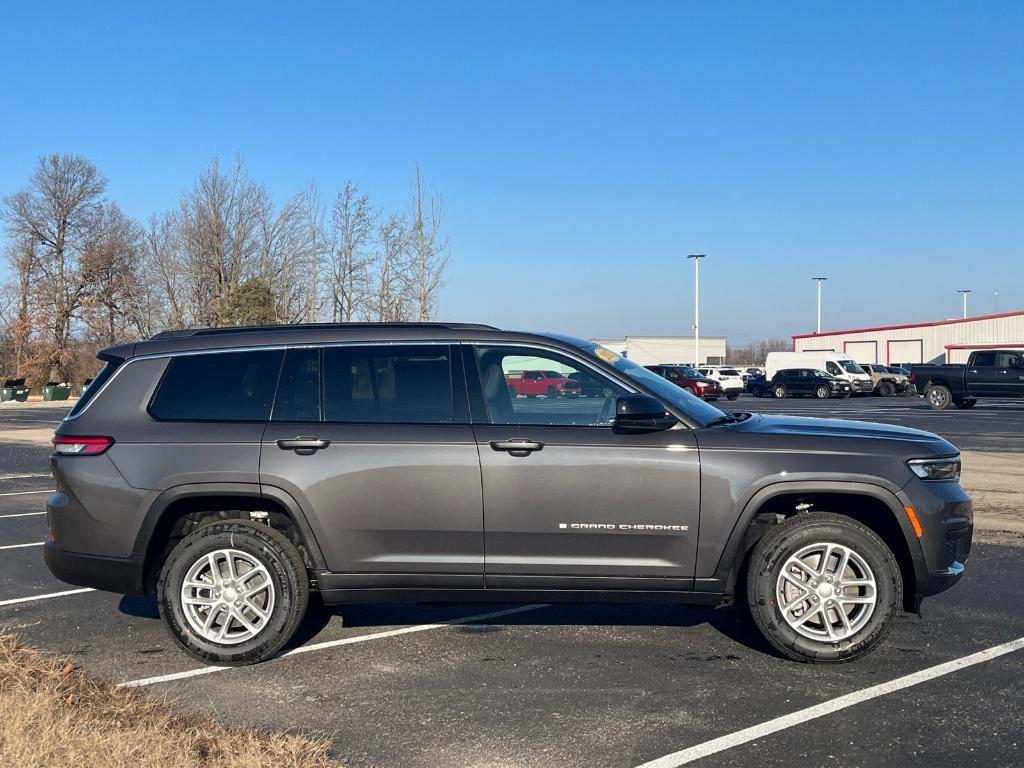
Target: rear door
[
  {"x": 982, "y": 376},
  {"x": 568, "y": 500},
  {"x": 374, "y": 443}
]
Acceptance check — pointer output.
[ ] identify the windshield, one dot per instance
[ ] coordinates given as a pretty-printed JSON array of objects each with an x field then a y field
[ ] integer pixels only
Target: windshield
[
  {"x": 692, "y": 406},
  {"x": 851, "y": 367},
  {"x": 822, "y": 375}
]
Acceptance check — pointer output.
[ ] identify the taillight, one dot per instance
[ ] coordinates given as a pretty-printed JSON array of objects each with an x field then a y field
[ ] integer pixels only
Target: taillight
[
  {"x": 73, "y": 445},
  {"x": 910, "y": 378}
]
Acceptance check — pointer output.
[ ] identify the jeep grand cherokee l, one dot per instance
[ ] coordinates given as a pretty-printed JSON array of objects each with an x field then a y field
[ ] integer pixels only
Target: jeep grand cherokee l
[{"x": 232, "y": 472}]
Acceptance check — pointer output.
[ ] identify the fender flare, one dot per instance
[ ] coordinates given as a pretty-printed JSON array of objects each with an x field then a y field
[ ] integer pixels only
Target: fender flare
[
  {"x": 155, "y": 514},
  {"x": 728, "y": 560}
]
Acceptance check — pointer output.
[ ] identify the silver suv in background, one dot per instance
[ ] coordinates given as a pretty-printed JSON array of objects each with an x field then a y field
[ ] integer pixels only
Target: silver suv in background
[{"x": 233, "y": 472}]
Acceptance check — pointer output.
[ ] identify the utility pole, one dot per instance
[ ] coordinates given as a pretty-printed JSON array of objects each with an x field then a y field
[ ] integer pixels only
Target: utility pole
[
  {"x": 965, "y": 291},
  {"x": 696, "y": 305},
  {"x": 819, "y": 280}
]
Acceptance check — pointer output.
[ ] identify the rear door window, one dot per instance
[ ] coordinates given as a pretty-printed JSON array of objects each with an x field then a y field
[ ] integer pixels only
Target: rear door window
[
  {"x": 408, "y": 384},
  {"x": 222, "y": 386}
]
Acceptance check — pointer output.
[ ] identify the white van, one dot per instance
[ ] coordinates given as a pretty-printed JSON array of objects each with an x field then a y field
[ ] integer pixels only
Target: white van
[{"x": 832, "y": 363}]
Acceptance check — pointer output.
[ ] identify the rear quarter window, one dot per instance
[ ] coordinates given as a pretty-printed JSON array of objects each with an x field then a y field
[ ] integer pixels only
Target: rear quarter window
[
  {"x": 95, "y": 386},
  {"x": 223, "y": 386}
]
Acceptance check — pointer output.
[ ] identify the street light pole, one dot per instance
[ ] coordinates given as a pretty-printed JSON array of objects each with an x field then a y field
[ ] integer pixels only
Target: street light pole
[
  {"x": 965, "y": 291},
  {"x": 819, "y": 280},
  {"x": 696, "y": 305}
]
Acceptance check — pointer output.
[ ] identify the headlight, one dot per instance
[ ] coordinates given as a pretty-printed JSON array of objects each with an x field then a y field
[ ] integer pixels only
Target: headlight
[{"x": 936, "y": 469}]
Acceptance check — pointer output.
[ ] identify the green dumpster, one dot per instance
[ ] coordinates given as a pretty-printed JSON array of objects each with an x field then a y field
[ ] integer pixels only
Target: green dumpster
[
  {"x": 56, "y": 392},
  {"x": 14, "y": 389}
]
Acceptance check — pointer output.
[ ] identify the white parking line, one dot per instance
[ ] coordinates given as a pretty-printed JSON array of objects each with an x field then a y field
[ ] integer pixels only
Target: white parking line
[
  {"x": 690, "y": 754},
  {"x": 24, "y": 493},
  {"x": 335, "y": 643},
  {"x": 22, "y": 514},
  {"x": 21, "y": 546},
  {"x": 25, "y": 477},
  {"x": 17, "y": 600}
]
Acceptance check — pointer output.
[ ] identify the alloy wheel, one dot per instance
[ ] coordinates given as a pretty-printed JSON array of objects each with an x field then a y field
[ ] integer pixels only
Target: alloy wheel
[
  {"x": 227, "y": 596},
  {"x": 826, "y": 592}
]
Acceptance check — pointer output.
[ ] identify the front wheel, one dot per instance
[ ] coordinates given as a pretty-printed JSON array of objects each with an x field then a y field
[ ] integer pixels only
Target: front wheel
[
  {"x": 887, "y": 389},
  {"x": 823, "y": 587},
  {"x": 233, "y": 593},
  {"x": 732, "y": 396},
  {"x": 822, "y": 392}
]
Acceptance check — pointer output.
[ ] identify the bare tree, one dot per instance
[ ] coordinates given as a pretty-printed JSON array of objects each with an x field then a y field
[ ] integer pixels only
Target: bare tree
[
  {"x": 58, "y": 212},
  {"x": 164, "y": 269},
  {"x": 112, "y": 305},
  {"x": 353, "y": 221},
  {"x": 219, "y": 232},
  {"x": 390, "y": 301},
  {"x": 429, "y": 248},
  {"x": 17, "y": 312}
]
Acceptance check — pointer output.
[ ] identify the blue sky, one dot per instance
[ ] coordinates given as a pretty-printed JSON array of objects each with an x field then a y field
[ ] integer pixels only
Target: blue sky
[{"x": 583, "y": 149}]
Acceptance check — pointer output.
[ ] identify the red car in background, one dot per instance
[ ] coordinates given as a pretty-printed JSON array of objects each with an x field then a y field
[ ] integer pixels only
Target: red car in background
[
  {"x": 689, "y": 379},
  {"x": 547, "y": 383}
]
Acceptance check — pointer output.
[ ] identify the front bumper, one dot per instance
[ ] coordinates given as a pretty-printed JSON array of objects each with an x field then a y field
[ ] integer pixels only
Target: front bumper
[
  {"x": 862, "y": 387},
  {"x": 947, "y": 521}
]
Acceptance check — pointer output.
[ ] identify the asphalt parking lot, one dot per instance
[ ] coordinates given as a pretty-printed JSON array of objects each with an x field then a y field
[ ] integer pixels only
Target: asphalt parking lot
[{"x": 574, "y": 685}]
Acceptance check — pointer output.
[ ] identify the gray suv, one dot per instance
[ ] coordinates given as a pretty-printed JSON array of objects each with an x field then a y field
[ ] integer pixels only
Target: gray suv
[{"x": 232, "y": 472}]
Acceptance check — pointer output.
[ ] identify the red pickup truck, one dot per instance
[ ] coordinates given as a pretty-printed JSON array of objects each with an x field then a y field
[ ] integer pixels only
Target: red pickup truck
[{"x": 547, "y": 383}]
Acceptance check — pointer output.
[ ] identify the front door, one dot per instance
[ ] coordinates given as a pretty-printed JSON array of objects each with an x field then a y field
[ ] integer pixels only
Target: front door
[
  {"x": 568, "y": 500},
  {"x": 373, "y": 442}
]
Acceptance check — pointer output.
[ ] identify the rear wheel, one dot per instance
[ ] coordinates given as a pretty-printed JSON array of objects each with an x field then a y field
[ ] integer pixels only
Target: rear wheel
[
  {"x": 233, "y": 593},
  {"x": 732, "y": 396},
  {"x": 779, "y": 391},
  {"x": 938, "y": 396},
  {"x": 822, "y": 392},
  {"x": 823, "y": 587}
]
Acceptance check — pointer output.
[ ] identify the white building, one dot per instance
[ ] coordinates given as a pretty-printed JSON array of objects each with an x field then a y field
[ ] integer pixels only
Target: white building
[
  {"x": 656, "y": 350},
  {"x": 944, "y": 341}
]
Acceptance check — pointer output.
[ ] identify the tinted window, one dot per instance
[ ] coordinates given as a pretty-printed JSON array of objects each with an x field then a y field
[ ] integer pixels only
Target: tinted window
[
  {"x": 298, "y": 390},
  {"x": 1010, "y": 360},
  {"x": 226, "y": 386},
  {"x": 985, "y": 358},
  {"x": 509, "y": 402},
  {"x": 388, "y": 384}
]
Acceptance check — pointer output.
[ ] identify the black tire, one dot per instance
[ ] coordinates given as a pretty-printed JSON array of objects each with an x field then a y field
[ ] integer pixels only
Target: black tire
[
  {"x": 552, "y": 392},
  {"x": 887, "y": 389},
  {"x": 805, "y": 530},
  {"x": 965, "y": 404},
  {"x": 288, "y": 578},
  {"x": 823, "y": 392},
  {"x": 732, "y": 396},
  {"x": 938, "y": 396},
  {"x": 779, "y": 390},
  {"x": 690, "y": 390}
]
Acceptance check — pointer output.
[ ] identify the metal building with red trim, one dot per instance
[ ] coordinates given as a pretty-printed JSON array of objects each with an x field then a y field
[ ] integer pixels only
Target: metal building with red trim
[{"x": 943, "y": 341}]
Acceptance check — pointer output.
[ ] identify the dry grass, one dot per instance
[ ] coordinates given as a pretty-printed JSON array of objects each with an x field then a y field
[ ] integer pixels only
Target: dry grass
[{"x": 54, "y": 714}]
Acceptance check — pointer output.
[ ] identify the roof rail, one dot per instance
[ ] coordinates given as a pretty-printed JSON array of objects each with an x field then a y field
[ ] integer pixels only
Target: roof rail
[{"x": 185, "y": 332}]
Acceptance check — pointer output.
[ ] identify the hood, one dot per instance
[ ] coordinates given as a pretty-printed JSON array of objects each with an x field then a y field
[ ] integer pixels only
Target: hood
[{"x": 801, "y": 426}]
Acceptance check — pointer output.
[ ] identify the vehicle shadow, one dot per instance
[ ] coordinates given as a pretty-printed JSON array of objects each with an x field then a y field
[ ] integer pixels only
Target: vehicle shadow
[{"x": 733, "y": 622}]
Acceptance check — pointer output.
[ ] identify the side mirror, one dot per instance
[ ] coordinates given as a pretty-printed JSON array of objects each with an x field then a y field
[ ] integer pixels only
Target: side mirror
[{"x": 642, "y": 413}]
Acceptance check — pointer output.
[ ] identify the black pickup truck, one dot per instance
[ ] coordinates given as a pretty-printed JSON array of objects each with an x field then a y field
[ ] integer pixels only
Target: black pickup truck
[{"x": 988, "y": 373}]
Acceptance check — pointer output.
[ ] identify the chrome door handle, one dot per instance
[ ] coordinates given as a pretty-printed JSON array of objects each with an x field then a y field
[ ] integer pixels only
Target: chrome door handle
[
  {"x": 517, "y": 446},
  {"x": 304, "y": 446}
]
